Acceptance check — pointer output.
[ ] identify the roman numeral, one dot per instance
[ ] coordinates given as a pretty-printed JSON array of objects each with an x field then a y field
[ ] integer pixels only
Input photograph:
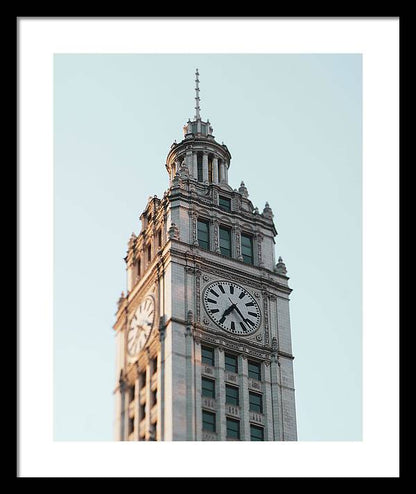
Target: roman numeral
[
  {"x": 212, "y": 301},
  {"x": 221, "y": 288},
  {"x": 214, "y": 293},
  {"x": 221, "y": 321},
  {"x": 214, "y": 311},
  {"x": 231, "y": 289},
  {"x": 242, "y": 295},
  {"x": 252, "y": 314},
  {"x": 250, "y": 322},
  {"x": 243, "y": 327},
  {"x": 232, "y": 326},
  {"x": 250, "y": 304}
]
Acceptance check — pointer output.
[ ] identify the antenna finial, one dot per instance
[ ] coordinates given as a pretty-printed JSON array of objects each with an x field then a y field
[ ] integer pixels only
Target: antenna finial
[{"x": 197, "y": 99}]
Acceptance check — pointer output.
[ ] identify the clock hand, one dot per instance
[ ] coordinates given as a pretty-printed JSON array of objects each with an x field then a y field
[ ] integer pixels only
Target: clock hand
[
  {"x": 241, "y": 315},
  {"x": 226, "y": 312}
]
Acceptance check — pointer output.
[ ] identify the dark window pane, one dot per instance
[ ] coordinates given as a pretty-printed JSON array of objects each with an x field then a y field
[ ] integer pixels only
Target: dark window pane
[
  {"x": 203, "y": 234},
  {"x": 247, "y": 248},
  {"x": 199, "y": 167},
  {"x": 254, "y": 370},
  {"x": 233, "y": 429},
  {"x": 232, "y": 395},
  {"x": 208, "y": 388},
  {"x": 231, "y": 363},
  {"x": 256, "y": 433},
  {"x": 225, "y": 241},
  {"x": 208, "y": 421},
  {"x": 207, "y": 355},
  {"x": 225, "y": 203},
  {"x": 256, "y": 402}
]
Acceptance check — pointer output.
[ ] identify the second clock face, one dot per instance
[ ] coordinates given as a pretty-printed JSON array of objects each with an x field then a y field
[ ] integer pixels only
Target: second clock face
[
  {"x": 232, "y": 307},
  {"x": 141, "y": 326}
]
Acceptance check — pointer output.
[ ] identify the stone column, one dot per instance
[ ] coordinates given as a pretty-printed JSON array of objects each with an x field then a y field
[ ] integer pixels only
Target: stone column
[
  {"x": 189, "y": 379},
  {"x": 260, "y": 237},
  {"x": 215, "y": 170},
  {"x": 195, "y": 166},
  {"x": 216, "y": 236},
  {"x": 205, "y": 167},
  {"x": 220, "y": 395},
  {"x": 237, "y": 243},
  {"x": 137, "y": 417},
  {"x": 148, "y": 398},
  {"x": 276, "y": 399},
  {"x": 197, "y": 389},
  {"x": 244, "y": 399},
  {"x": 121, "y": 393},
  {"x": 225, "y": 173},
  {"x": 267, "y": 404},
  {"x": 222, "y": 171}
]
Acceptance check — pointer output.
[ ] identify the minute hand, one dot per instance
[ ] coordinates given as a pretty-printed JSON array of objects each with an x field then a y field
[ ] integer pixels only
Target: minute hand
[{"x": 241, "y": 315}]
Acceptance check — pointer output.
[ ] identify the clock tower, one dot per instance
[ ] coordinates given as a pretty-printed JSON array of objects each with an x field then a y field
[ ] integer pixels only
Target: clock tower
[{"x": 203, "y": 332}]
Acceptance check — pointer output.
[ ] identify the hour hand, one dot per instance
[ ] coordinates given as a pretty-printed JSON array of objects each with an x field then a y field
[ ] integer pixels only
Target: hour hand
[{"x": 226, "y": 312}]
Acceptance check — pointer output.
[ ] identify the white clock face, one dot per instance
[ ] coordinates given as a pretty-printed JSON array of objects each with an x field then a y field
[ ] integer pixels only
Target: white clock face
[
  {"x": 232, "y": 307},
  {"x": 140, "y": 326}
]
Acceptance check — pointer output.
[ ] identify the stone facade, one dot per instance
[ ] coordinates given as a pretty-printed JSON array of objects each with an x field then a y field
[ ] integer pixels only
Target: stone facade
[{"x": 159, "y": 392}]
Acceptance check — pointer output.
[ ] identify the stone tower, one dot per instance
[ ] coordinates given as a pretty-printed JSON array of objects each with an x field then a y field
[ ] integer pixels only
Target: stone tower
[{"x": 203, "y": 333}]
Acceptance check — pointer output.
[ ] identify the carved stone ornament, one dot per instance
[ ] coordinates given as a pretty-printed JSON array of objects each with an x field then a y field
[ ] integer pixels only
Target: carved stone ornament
[
  {"x": 173, "y": 232},
  {"x": 205, "y": 277}
]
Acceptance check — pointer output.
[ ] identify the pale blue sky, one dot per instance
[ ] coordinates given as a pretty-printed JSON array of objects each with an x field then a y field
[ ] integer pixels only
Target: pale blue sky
[{"x": 293, "y": 126}]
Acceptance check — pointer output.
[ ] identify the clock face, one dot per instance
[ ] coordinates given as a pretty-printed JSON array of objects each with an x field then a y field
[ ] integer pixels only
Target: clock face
[
  {"x": 232, "y": 307},
  {"x": 140, "y": 326}
]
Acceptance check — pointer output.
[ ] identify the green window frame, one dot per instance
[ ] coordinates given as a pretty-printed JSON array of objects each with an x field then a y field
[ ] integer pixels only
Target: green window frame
[
  {"x": 208, "y": 421},
  {"x": 225, "y": 241},
  {"x": 255, "y": 402},
  {"x": 256, "y": 433},
  {"x": 208, "y": 356},
  {"x": 208, "y": 387},
  {"x": 231, "y": 363},
  {"x": 232, "y": 395},
  {"x": 224, "y": 203},
  {"x": 233, "y": 428},
  {"x": 247, "y": 248},
  {"x": 254, "y": 370},
  {"x": 203, "y": 234}
]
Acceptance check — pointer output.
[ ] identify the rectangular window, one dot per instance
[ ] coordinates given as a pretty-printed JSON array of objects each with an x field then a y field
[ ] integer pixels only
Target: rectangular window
[
  {"x": 208, "y": 356},
  {"x": 247, "y": 248},
  {"x": 233, "y": 429},
  {"x": 254, "y": 370},
  {"x": 149, "y": 253},
  {"x": 131, "y": 393},
  {"x": 209, "y": 169},
  {"x": 131, "y": 425},
  {"x": 199, "y": 167},
  {"x": 231, "y": 363},
  {"x": 256, "y": 433},
  {"x": 154, "y": 397},
  {"x": 224, "y": 203},
  {"x": 232, "y": 395},
  {"x": 256, "y": 402},
  {"x": 203, "y": 234},
  {"x": 142, "y": 412},
  {"x": 159, "y": 238},
  {"x": 208, "y": 421},
  {"x": 208, "y": 388},
  {"x": 139, "y": 267},
  {"x": 142, "y": 379},
  {"x": 225, "y": 241},
  {"x": 154, "y": 365}
]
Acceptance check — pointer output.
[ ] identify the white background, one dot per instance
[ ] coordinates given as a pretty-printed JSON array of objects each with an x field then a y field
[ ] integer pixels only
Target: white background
[{"x": 377, "y": 454}]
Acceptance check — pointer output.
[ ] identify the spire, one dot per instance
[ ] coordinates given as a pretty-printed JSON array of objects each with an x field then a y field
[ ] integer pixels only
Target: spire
[{"x": 197, "y": 99}]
